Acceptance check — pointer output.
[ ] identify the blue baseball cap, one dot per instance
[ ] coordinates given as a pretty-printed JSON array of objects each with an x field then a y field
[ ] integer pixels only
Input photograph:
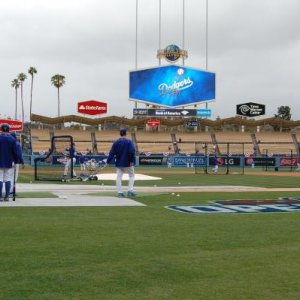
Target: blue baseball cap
[
  {"x": 123, "y": 132},
  {"x": 5, "y": 127}
]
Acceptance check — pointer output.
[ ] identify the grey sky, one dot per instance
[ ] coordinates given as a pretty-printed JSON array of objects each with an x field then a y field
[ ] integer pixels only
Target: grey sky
[{"x": 254, "y": 49}]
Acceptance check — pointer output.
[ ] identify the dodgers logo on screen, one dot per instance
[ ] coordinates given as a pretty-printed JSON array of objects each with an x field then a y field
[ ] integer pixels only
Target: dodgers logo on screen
[
  {"x": 172, "y": 86},
  {"x": 176, "y": 86}
]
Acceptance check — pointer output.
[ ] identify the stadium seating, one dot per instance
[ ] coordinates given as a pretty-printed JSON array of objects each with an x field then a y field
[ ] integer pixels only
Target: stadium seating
[{"x": 159, "y": 142}]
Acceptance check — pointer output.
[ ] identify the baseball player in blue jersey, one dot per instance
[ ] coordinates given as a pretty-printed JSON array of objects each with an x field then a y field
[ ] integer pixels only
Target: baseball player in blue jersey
[
  {"x": 70, "y": 156},
  {"x": 8, "y": 156},
  {"x": 124, "y": 152}
]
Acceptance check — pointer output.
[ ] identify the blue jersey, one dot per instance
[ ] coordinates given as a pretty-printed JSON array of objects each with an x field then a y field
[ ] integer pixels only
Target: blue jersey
[
  {"x": 8, "y": 151},
  {"x": 81, "y": 159},
  {"x": 19, "y": 154},
  {"x": 71, "y": 152},
  {"x": 123, "y": 150}
]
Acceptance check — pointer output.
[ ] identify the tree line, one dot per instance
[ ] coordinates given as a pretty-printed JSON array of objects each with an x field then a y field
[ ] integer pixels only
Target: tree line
[{"x": 57, "y": 81}]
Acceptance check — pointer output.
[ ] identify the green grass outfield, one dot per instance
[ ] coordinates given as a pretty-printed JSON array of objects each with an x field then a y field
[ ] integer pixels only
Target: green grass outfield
[
  {"x": 189, "y": 178},
  {"x": 151, "y": 252}
]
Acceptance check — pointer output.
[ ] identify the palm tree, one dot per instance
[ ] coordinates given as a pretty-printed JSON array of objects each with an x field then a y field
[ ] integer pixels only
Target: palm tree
[
  {"x": 58, "y": 81},
  {"x": 31, "y": 71},
  {"x": 22, "y": 78},
  {"x": 16, "y": 84}
]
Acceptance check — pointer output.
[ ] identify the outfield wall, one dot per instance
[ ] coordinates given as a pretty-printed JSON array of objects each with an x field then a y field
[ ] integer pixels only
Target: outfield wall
[{"x": 161, "y": 160}]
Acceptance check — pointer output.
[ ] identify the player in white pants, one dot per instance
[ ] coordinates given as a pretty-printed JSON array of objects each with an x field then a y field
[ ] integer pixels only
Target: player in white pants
[
  {"x": 123, "y": 152},
  {"x": 120, "y": 173},
  {"x": 68, "y": 166},
  {"x": 70, "y": 155}
]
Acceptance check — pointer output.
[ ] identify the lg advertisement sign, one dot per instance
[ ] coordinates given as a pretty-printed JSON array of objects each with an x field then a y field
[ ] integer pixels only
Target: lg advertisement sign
[
  {"x": 92, "y": 107},
  {"x": 250, "y": 109},
  {"x": 171, "y": 86}
]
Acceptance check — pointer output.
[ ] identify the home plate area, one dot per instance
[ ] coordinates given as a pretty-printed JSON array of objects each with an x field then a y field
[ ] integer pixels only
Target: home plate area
[{"x": 68, "y": 200}]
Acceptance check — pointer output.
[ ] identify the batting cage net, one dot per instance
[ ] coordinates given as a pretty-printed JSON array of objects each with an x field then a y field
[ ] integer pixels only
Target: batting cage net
[
  {"x": 221, "y": 158},
  {"x": 57, "y": 163}
]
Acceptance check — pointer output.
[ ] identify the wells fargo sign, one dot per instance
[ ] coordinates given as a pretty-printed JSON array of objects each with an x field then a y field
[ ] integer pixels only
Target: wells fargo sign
[
  {"x": 13, "y": 124},
  {"x": 92, "y": 107}
]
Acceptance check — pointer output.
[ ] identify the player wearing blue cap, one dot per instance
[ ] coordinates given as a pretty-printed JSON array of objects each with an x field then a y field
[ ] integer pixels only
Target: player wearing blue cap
[
  {"x": 124, "y": 152},
  {"x": 8, "y": 156}
]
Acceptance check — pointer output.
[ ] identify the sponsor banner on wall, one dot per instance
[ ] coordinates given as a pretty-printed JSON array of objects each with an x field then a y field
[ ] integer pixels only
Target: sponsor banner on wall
[
  {"x": 224, "y": 161},
  {"x": 180, "y": 161},
  {"x": 155, "y": 160},
  {"x": 289, "y": 161},
  {"x": 260, "y": 161},
  {"x": 60, "y": 159}
]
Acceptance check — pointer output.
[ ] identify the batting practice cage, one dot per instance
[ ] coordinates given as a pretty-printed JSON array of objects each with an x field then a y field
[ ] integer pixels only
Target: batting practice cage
[
  {"x": 221, "y": 158},
  {"x": 55, "y": 164}
]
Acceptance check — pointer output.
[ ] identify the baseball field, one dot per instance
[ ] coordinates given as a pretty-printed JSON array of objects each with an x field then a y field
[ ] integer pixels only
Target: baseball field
[{"x": 152, "y": 251}]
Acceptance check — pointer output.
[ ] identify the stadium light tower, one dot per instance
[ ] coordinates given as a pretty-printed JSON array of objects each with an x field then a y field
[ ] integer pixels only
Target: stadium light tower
[
  {"x": 159, "y": 30},
  {"x": 136, "y": 38},
  {"x": 206, "y": 43},
  {"x": 183, "y": 28},
  {"x": 206, "y": 37}
]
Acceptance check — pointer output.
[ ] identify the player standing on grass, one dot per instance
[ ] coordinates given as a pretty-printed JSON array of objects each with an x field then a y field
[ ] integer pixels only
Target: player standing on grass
[
  {"x": 124, "y": 152},
  {"x": 8, "y": 156},
  {"x": 216, "y": 165},
  {"x": 70, "y": 156}
]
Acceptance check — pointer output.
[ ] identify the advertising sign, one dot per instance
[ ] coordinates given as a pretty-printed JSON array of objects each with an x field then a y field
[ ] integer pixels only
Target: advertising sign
[
  {"x": 171, "y": 86},
  {"x": 171, "y": 112},
  {"x": 192, "y": 123},
  {"x": 158, "y": 160},
  {"x": 203, "y": 112},
  {"x": 182, "y": 161},
  {"x": 289, "y": 161},
  {"x": 260, "y": 161},
  {"x": 250, "y": 109},
  {"x": 153, "y": 123},
  {"x": 13, "y": 124},
  {"x": 172, "y": 53},
  {"x": 224, "y": 161},
  {"x": 92, "y": 107}
]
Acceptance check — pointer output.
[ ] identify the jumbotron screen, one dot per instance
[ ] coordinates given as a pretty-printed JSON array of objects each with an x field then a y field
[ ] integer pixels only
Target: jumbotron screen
[{"x": 171, "y": 86}]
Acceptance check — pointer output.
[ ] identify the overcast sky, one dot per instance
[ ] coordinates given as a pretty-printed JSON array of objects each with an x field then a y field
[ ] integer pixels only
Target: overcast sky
[{"x": 254, "y": 49}]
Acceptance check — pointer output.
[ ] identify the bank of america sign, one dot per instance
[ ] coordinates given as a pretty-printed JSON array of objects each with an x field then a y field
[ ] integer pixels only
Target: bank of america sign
[{"x": 171, "y": 112}]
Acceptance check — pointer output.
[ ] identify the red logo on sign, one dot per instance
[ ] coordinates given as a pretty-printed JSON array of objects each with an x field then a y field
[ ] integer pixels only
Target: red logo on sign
[
  {"x": 13, "y": 124},
  {"x": 153, "y": 123},
  {"x": 92, "y": 107}
]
